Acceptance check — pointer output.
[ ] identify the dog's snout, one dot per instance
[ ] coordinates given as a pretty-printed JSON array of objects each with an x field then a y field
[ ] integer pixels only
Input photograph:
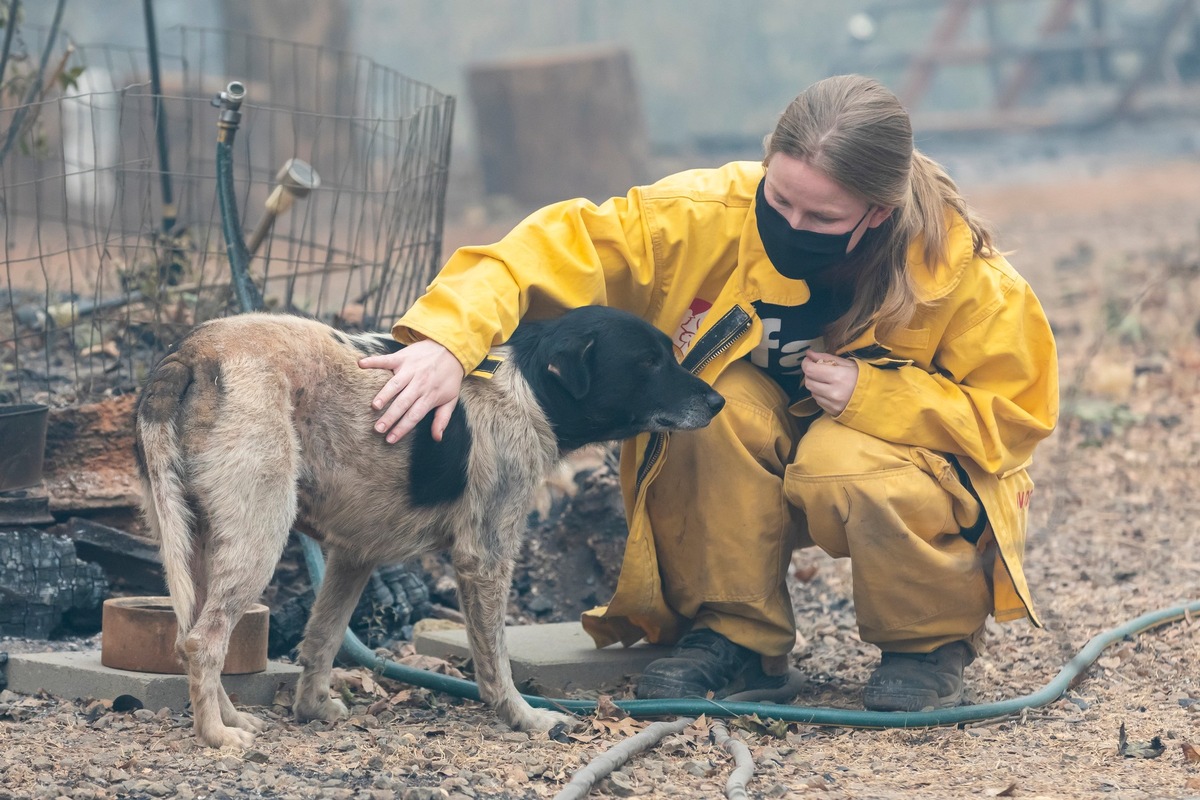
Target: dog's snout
[{"x": 715, "y": 401}]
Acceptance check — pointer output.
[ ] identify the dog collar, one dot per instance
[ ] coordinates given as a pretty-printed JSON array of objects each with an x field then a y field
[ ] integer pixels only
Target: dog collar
[{"x": 487, "y": 368}]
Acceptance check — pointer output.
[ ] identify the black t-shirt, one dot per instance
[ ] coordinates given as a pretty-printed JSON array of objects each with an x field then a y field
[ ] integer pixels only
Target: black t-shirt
[{"x": 790, "y": 331}]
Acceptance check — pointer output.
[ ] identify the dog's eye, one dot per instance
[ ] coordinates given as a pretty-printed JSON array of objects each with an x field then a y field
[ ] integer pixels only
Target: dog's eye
[{"x": 648, "y": 362}]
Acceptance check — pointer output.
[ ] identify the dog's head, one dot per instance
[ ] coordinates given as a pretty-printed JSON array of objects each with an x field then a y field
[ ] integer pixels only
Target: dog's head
[{"x": 602, "y": 374}]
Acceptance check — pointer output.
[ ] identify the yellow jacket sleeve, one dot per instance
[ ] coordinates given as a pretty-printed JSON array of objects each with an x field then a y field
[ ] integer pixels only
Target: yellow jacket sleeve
[
  {"x": 565, "y": 255},
  {"x": 986, "y": 384}
]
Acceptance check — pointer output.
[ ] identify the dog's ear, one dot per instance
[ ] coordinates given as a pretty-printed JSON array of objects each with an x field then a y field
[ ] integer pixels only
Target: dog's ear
[{"x": 569, "y": 364}]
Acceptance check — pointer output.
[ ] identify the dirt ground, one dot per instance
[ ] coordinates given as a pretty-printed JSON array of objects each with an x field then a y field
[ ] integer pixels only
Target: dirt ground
[{"x": 1114, "y": 253}]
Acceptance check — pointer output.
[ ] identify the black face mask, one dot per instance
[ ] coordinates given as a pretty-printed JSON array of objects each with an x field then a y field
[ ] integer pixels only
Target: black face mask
[{"x": 800, "y": 255}]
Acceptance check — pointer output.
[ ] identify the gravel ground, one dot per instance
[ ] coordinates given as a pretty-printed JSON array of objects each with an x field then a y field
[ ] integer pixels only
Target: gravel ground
[{"x": 1115, "y": 258}]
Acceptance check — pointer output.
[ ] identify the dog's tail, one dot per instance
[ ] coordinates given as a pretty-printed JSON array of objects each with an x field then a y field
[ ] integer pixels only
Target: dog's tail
[{"x": 164, "y": 489}]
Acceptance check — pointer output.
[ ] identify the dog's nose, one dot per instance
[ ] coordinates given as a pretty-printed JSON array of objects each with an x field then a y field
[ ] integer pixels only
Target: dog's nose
[{"x": 715, "y": 401}]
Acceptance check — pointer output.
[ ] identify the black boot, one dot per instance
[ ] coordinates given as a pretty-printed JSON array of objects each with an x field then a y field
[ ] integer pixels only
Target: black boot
[
  {"x": 705, "y": 661},
  {"x": 916, "y": 681}
]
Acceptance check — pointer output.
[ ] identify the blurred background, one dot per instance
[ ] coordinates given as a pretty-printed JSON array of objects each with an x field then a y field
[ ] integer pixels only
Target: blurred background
[
  {"x": 429, "y": 124},
  {"x": 423, "y": 125},
  {"x": 688, "y": 82}
]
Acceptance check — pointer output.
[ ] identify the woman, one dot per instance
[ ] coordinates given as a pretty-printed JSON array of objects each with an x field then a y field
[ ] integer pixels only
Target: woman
[{"x": 887, "y": 376}]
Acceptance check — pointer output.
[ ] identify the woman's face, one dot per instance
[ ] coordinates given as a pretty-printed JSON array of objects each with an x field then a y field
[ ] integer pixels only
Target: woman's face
[{"x": 812, "y": 201}]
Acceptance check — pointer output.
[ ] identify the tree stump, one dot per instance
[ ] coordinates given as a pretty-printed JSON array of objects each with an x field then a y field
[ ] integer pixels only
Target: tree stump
[{"x": 560, "y": 126}]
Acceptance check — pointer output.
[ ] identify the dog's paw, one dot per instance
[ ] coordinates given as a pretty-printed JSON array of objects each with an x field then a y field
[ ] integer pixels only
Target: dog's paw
[
  {"x": 541, "y": 720},
  {"x": 247, "y": 722},
  {"x": 222, "y": 736},
  {"x": 328, "y": 709}
]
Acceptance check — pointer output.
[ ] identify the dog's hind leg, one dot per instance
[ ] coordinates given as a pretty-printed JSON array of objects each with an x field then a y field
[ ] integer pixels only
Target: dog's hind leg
[
  {"x": 237, "y": 577},
  {"x": 345, "y": 578},
  {"x": 249, "y": 520},
  {"x": 483, "y": 595}
]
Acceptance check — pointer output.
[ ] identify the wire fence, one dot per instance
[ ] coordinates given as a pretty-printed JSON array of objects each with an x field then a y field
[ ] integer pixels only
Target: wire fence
[{"x": 101, "y": 276}]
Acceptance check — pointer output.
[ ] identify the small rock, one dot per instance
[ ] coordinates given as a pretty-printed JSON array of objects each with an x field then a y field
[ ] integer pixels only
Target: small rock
[
  {"x": 540, "y": 604},
  {"x": 621, "y": 784},
  {"x": 424, "y": 793}
]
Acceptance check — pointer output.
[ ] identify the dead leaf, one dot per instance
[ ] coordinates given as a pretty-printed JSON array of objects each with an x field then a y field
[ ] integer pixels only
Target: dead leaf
[
  {"x": 1007, "y": 791},
  {"x": 607, "y": 709},
  {"x": 357, "y": 680},
  {"x": 1151, "y": 749},
  {"x": 431, "y": 664},
  {"x": 371, "y": 687},
  {"x": 775, "y": 728},
  {"x": 618, "y": 727},
  {"x": 1190, "y": 753},
  {"x": 700, "y": 728}
]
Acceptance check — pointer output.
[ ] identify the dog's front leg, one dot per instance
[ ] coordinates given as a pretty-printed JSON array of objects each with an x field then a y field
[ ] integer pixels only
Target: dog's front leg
[
  {"x": 345, "y": 577},
  {"x": 483, "y": 592}
]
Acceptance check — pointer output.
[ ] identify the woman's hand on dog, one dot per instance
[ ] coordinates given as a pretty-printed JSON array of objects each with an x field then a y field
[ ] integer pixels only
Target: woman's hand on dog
[{"x": 425, "y": 377}]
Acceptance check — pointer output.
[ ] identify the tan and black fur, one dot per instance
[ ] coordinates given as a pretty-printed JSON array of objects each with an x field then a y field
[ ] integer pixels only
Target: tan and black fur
[{"x": 259, "y": 423}]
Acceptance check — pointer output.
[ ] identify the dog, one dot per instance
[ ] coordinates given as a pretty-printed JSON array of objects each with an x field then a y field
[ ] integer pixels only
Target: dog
[{"x": 259, "y": 423}]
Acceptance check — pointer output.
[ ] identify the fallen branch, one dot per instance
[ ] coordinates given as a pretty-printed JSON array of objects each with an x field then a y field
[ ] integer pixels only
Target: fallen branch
[{"x": 612, "y": 759}]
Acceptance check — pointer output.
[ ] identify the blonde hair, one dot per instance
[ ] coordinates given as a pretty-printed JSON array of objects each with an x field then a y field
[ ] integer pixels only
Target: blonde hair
[{"x": 855, "y": 130}]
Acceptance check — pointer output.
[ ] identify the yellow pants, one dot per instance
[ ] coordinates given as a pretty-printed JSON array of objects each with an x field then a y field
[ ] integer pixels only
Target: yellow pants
[{"x": 759, "y": 486}]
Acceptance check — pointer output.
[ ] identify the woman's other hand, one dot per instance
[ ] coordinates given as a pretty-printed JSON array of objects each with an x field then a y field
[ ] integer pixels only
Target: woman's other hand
[{"x": 831, "y": 379}]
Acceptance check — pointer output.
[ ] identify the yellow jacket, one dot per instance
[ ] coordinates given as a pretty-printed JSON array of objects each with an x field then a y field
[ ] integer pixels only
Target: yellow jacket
[{"x": 684, "y": 254}]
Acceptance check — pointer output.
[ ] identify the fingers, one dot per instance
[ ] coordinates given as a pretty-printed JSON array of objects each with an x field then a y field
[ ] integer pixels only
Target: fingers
[
  {"x": 406, "y": 399},
  {"x": 426, "y": 377},
  {"x": 830, "y": 379},
  {"x": 812, "y": 357},
  {"x": 402, "y": 415},
  {"x": 385, "y": 361},
  {"x": 441, "y": 419}
]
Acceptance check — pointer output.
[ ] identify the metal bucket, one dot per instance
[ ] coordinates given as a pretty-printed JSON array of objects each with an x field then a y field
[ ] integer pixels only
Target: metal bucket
[{"x": 22, "y": 445}]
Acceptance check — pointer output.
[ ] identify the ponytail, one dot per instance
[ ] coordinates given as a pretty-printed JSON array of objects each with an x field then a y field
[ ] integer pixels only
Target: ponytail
[{"x": 933, "y": 192}]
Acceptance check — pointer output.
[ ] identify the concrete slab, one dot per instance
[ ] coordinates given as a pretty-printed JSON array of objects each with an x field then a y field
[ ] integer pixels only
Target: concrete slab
[
  {"x": 558, "y": 657},
  {"x": 80, "y": 674}
]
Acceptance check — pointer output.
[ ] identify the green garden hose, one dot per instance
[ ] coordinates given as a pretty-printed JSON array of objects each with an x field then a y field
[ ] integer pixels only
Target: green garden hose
[{"x": 354, "y": 649}]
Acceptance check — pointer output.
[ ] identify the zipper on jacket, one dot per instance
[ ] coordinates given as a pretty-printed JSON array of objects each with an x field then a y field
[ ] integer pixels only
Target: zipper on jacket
[{"x": 719, "y": 338}]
